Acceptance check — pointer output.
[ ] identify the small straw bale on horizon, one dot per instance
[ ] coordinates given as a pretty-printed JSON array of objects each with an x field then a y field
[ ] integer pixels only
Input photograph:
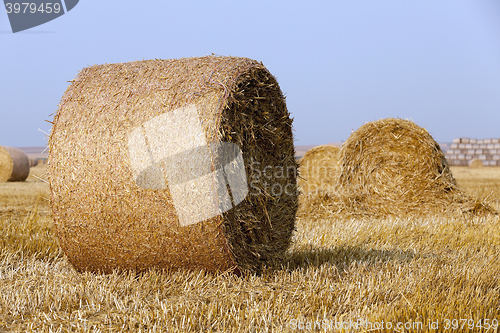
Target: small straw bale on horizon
[
  {"x": 14, "y": 164},
  {"x": 475, "y": 163}
]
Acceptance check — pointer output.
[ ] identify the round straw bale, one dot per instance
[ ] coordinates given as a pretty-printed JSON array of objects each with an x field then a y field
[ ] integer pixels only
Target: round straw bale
[
  {"x": 14, "y": 164},
  {"x": 393, "y": 166},
  {"x": 475, "y": 163},
  {"x": 183, "y": 163},
  {"x": 33, "y": 162},
  {"x": 318, "y": 168}
]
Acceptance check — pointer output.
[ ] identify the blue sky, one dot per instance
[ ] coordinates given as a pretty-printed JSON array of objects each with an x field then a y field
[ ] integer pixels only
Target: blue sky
[{"x": 340, "y": 63}]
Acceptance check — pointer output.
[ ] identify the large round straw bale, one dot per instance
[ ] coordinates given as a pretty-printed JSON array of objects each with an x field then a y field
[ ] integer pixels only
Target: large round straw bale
[
  {"x": 318, "y": 169},
  {"x": 14, "y": 164},
  {"x": 185, "y": 163},
  {"x": 393, "y": 166}
]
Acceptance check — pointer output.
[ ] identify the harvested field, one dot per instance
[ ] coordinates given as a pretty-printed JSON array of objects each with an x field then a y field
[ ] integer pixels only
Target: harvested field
[{"x": 412, "y": 270}]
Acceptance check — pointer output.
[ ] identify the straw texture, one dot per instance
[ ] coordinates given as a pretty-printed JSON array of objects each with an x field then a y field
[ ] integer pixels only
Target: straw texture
[
  {"x": 14, "y": 164},
  {"x": 113, "y": 209},
  {"x": 318, "y": 169}
]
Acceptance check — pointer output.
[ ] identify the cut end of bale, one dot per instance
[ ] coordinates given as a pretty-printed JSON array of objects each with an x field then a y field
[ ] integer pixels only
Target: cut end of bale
[
  {"x": 135, "y": 179},
  {"x": 14, "y": 164}
]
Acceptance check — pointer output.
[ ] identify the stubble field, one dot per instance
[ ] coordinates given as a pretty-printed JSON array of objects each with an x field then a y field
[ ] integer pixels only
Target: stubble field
[{"x": 432, "y": 274}]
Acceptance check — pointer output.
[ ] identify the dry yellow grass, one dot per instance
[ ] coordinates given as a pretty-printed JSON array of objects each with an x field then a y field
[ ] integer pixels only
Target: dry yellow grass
[
  {"x": 408, "y": 271},
  {"x": 483, "y": 183}
]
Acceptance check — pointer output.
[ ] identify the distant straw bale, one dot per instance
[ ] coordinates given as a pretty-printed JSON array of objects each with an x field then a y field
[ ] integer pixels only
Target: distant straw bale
[
  {"x": 475, "y": 163},
  {"x": 318, "y": 169},
  {"x": 159, "y": 164},
  {"x": 33, "y": 162},
  {"x": 14, "y": 164},
  {"x": 393, "y": 167}
]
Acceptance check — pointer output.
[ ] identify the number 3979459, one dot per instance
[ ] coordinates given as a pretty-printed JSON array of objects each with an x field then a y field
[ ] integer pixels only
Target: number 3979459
[{"x": 27, "y": 7}]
